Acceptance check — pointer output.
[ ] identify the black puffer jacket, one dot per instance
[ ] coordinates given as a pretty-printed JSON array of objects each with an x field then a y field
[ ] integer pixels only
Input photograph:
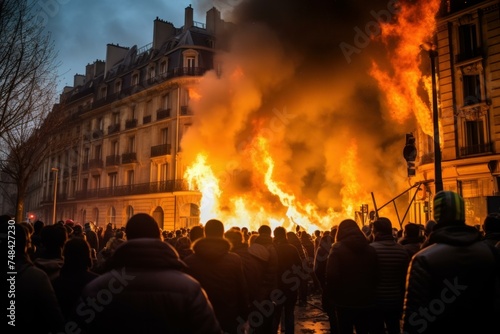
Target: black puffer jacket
[
  {"x": 450, "y": 286},
  {"x": 146, "y": 292},
  {"x": 220, "y": 273},
  {"x": 351, "y": 271}
]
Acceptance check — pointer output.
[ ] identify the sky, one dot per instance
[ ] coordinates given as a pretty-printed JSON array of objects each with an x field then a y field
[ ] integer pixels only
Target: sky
[{"x": 82, "y": 29}]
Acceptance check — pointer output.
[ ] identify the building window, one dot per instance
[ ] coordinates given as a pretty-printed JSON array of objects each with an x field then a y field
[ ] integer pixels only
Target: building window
[
  {"x": 152, "y": 72},
  {"x": 118, "y": 86},
  {"x": 103, "y": 92},
  {"x": 473, "y": 138},
  {"x": 164, "y": 172},
  {"x": 135, "y": 79},
  {"x": 467, "y": 37},
  {"x": 131, "y": 144},
  {"x": 164, "y": 136},
  {"x": 165, "y": 101},
  {"x": 96, "y": 181},
  {"x": 115, "y": 148},
  {"x": 112, "y": 180},
  {"x": 98, "y": 152},
  {"x": 163, "y": 67},
  {"x": 130, "y": 177},
  {"x": 471, "y": 89}
]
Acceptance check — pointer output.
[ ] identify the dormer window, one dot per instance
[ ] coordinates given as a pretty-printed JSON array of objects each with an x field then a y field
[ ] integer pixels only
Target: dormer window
[
  {"x": 164, "y": 66},
  {"x": 103, "y": 91},
  {"x": 151, "y": 71},
  {"x": 118, "y": 86},
  {"x": 135, "y": 78},
  {"x": 190, "y": 61}
]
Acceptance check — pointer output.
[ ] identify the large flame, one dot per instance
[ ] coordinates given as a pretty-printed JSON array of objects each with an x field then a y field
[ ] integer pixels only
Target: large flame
[
  {"x": 293, "y": 138},
  {"x": 415, "y": 24}
]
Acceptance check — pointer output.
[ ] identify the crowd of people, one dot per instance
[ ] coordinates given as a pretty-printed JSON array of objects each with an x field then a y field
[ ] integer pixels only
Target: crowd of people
[{"x": 438, "y": 278}]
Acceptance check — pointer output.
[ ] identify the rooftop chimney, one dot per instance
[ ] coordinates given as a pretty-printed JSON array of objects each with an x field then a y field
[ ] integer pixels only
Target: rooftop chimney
[
  {"x": 78, "y": 80},
  {"x": 114, "y": 53},
  {"x": 162, "y": 32},
  {"x": 214, "y": 21},
  {"x": 188, "y": 18}
]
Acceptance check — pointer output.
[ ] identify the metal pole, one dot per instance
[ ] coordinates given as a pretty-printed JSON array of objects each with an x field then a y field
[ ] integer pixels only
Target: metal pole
[
  {"x": 55, "y": 195},
  {"x": 437, "y": 146}
]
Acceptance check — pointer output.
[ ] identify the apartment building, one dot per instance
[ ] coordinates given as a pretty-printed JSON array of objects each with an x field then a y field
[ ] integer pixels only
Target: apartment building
[
  {"x": 126, "y": 116},
  {"x": 468, "y": 88}
]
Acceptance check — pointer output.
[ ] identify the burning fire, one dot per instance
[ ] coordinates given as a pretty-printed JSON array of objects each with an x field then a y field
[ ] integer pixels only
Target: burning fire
[
  {"x": 415, "y": 24},
  {"x": 229, "y": 128}
]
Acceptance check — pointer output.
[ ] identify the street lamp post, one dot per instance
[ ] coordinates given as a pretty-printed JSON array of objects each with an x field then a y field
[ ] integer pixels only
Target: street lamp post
[
  {"x": 438, "y": 179},
  {"x": 56, "y": 170}
]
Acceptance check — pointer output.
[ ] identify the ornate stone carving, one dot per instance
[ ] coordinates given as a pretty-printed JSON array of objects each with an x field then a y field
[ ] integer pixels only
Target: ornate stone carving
[{"x": 474, "y": 112}]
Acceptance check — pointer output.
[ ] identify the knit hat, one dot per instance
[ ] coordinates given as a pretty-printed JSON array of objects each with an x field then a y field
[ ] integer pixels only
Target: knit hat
[
  {"x": 449, "y": 208},
  {"x": 214, "y": 228},
  {"x": 142, "y": 225}
]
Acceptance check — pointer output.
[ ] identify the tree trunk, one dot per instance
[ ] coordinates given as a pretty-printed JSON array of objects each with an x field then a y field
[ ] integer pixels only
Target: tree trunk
[{"x": 21, "y": 191}]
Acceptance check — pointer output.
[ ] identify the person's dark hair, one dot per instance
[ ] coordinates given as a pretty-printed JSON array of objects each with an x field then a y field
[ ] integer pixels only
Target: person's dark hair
[
  {"x": 77, "y": 255},
  {"x": 142, "y": 225},
  {"x": 53, "y": 237},
  {"x": 492, "y": 223},
  {"x": 234, "y": 237},
  {"x": 412, "y": 230},
  {"x": 280, "y": 233},
  {"x": 383, "y": 226},
  {"x": 214, "y": 228},
  {"x": 196, "y": 233},
  {"x": 264, "y": 230}
]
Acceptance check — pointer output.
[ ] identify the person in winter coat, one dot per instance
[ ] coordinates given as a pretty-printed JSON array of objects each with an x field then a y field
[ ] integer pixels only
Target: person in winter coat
[
  {"x": 351, "y": 279},
  {"x": 288, "y": 264},
  {"x": 147, "y": 290},
  {"x": 491, "y": 227},
  {"x": 36, "y": 309},
  {"x": 50, "y": 257},
  {"x": 392, "y": 261},
  {"x": 74, "y": 274},
  {"x": 220, "y": 273},
  {"x": 451, "y": 283}
]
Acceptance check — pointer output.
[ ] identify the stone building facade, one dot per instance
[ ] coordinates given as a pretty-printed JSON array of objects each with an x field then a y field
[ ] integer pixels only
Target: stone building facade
[{"x": 127, "y": 115}]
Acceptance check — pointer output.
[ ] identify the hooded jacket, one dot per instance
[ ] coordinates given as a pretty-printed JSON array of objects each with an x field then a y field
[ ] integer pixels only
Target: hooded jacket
[
  {"x": 450, "y": 285},
  {"x": 220, "y": 273},
  {"x": 145, "y": 292},
  {"x": 351, "y": 270}
]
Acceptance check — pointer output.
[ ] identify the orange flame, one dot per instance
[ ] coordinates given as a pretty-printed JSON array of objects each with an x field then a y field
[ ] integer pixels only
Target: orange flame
[{"x": 415, "y": 24}]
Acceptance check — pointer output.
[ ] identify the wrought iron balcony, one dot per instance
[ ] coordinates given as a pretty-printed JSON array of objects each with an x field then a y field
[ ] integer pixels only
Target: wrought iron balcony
[
  {"x": 112, "y": 160},
  {"x": 162, "y": 113},
  {"x": 131, "y": 123},
  {"x": 133, "y": 189},
  {"x": 96, "y": 163},
  {"x": 160, "y": 150},
  {"x": 476, "y": 149},
  {"x": 146, "y": 119},
  {"x": 128, "y": 158},
  {"x": 113, "y": 128}
]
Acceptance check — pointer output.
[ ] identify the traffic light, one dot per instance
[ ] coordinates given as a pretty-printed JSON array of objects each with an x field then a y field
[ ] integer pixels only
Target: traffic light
[{"x": 410, "y": 153}]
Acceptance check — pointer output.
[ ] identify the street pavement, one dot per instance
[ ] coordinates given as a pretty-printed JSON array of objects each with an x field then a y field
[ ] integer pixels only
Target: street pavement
[{"x": 311, "y": 318}]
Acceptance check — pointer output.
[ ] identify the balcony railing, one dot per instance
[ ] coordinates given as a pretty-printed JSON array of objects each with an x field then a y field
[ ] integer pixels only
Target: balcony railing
[
  {"x": 113, "y": 128},
  {"x": 476, "y": 149},
  {"x": 85, "y": 166},
  {"x": 96, "y": 163},
  {"x": 160, "y": 150},
  {"x": 134, "y": 189},
  {"x": 128, "y": 158},
  {"x": 146, "y": 119},
  {"x": 126, "y": 91},
  {"x": 96, "y": 134},
  {"x": 162, "y": 113},
  {"x": 112, "y": 160},
  {"x": 131, "y": 123}
]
